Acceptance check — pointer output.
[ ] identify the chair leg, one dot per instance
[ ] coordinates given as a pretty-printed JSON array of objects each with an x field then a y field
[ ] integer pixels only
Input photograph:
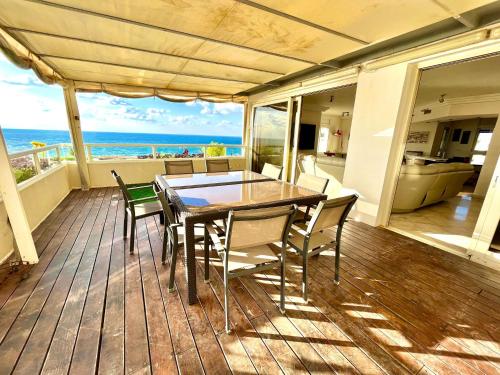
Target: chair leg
[
  {"x": 173, "y": 260},
  {"x": 125, "y": 224},
  {"x": 206, "y": 249},
  {"x": 304, "y": 276},
  {"x": 337, "y": 262},
  {"x": 282, "y": 286},
  {"x": 132, "y": 234},
  {"x": 226, "y": 300},
  {"x": 164, "y": 247},
  {"x": 162, "y": 218}
]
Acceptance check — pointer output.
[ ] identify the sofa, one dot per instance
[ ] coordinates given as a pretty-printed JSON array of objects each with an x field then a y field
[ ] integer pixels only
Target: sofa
[
  {"x": 323, "y": 166},
  {"x": 423, "y": 185}
]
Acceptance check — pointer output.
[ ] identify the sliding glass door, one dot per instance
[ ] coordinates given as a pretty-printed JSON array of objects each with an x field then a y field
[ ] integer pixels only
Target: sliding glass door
[{"x": 270, "y": 125}]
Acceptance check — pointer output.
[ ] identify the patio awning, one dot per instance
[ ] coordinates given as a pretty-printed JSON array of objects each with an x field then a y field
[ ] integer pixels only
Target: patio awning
[{"x": 212, "y": 49}]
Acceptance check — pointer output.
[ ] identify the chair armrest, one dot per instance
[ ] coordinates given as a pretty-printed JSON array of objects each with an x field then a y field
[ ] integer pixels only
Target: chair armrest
[
  {"x": 214, "y": 237},
  {"x": 142, "y": 200},
  {"x": 139, "y": 186}
]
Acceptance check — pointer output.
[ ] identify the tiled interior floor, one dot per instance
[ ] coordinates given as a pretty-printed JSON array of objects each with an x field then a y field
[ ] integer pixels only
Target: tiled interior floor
[{"x": 450, "y": 223}]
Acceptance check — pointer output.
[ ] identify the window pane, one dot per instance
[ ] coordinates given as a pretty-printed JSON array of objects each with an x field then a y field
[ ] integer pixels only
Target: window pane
[
  {"x": 478, "y": 159},
  {"x": 270, "y": 123},
  {"x": 483, "y": 141}
]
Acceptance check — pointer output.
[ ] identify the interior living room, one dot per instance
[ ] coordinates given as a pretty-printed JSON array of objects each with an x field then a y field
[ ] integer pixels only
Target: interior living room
[
  {"x": 451, "y": 152},
  {"x": 325, "y": 125}
]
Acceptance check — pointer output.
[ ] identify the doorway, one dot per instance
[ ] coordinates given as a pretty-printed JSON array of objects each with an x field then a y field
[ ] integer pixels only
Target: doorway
[
  {"x": 451, "y": 152},
  {"x": 323, "y": 134}
]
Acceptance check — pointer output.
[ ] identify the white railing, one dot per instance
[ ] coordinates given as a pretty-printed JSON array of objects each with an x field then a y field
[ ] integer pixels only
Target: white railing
[
  {"x": 32, "y": 162},
  {"x": 162, "y": 150}
]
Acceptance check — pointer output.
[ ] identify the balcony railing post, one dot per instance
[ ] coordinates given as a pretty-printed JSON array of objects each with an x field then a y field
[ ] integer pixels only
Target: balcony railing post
[
  {"x": 153, "y": 150},
  {"x": 89, "y": 152},
  {"x": 58, "y": 153},
  {"x": 36, "y": 163}
]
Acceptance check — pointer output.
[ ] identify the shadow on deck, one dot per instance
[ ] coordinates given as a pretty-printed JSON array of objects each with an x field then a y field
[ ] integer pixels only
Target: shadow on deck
[{"x": 401, "y": 307}]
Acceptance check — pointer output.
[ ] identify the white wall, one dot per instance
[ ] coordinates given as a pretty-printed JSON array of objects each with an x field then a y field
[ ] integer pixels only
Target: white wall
[
  {"x": 375, "y": 117},
  {"x": 136, "y": 171},
  {"x": 40, "y": 196}
]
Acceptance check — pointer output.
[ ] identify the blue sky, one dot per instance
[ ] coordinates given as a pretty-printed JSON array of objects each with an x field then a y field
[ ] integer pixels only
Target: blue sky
[{"x": 28, "y": 103}]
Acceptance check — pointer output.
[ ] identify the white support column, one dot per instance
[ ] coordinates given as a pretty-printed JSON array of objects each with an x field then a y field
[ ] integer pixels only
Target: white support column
[
  {"x": 286, "y": 150},
  {"x": 247, "y": 140},
  {"x": 382, "y": 110},
  {"x": 76, "y": 134},
  {"x": 295, "y": 150},
  {"x": 14, "y": 207}
]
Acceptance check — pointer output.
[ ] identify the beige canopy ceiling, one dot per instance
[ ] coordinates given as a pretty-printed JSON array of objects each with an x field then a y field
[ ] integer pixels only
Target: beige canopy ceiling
[{"x": 216, "y": 48}]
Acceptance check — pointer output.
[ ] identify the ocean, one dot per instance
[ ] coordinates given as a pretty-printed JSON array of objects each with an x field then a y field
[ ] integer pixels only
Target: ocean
[{"x": 20, "y": 139}]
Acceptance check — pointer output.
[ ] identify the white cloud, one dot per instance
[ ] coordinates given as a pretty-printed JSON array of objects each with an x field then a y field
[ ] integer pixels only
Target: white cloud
[
  {"x": 208, "y": 108},
  {"x": 226, "y": 108}
]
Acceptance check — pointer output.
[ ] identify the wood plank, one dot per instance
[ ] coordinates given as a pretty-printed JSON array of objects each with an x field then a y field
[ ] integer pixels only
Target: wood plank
[
  {"x": 188, "y": 359},
  {"x": 9, "y": 281},
  {"x": 407, "y": 337},
  {"x": 426, "y": 299},
  {"x": 235, "y": 353},
  {"x": 160, "y": 344},
  {"x": 322, "y": 299},
  {"x": 240, "y": 315},
  {"x": 82, "y": 292},
  {"x": 14, "y": 336},
  {"x": 393, "y": 299},
  {"x": 90, "y": 307},
  {"x": 211, "y": 354},
  {"x": 431, "y": 273},
  {"x": 16, "y": 292},
  {"x": 112, "y": 346},
  {"x": 68, "y": 292},
  {"x": 86, "y": 349},
  {"x": 137, "y": 358}
]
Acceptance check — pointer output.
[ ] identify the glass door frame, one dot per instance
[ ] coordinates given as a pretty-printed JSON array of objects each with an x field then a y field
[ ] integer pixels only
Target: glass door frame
[
  {"x": 479, "y": 239},
  {"x": 286, "y": 149}
]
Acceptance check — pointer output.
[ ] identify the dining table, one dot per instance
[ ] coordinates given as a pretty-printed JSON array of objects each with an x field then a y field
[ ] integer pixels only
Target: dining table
[{"x": 205, "y": 197}]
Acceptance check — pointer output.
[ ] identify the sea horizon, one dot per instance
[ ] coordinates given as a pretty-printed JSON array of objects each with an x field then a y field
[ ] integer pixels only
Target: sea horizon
[{"x": 20, "y": 140}]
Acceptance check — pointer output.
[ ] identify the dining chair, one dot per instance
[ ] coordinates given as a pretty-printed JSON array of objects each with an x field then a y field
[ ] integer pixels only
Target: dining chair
[
  {"x": 312, "y": 239},
  {"x": 310, "y": 182},
  {"x": 140, "y": 202},
  {"x": 272, "y": 171},
  {"x": 173, "y": 236},
  {"x": 248, "y": 246},
  {"x": 217, "y": 165},
  {"x": 179, "y": 167}
]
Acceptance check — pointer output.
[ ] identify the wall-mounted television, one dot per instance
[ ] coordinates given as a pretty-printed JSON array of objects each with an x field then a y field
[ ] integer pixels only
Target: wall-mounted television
[{"x": 307, "y": 136}]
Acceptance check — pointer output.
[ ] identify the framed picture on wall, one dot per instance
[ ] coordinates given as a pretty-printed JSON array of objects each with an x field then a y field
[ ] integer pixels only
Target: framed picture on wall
[
  {"x": 456, "y": 135},
  {"x": 465, "y": 137}
]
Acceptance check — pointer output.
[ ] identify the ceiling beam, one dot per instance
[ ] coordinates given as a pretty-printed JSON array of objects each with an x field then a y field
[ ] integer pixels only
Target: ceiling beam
[
  {"x": 46, "y": 56},
  {"x": 301, "y": 21},
  {"x": 166, "y": 30},
  {"x": 28, "y": 31}
]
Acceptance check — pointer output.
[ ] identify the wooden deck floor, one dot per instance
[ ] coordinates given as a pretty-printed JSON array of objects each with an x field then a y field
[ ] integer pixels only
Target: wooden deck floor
[{"x": 89, "y": 306}]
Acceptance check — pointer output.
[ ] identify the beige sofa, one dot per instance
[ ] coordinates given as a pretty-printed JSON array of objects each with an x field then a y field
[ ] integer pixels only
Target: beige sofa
[
  {"x": 323, "y": 166},
  {"x": 422, "y": 185}
]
